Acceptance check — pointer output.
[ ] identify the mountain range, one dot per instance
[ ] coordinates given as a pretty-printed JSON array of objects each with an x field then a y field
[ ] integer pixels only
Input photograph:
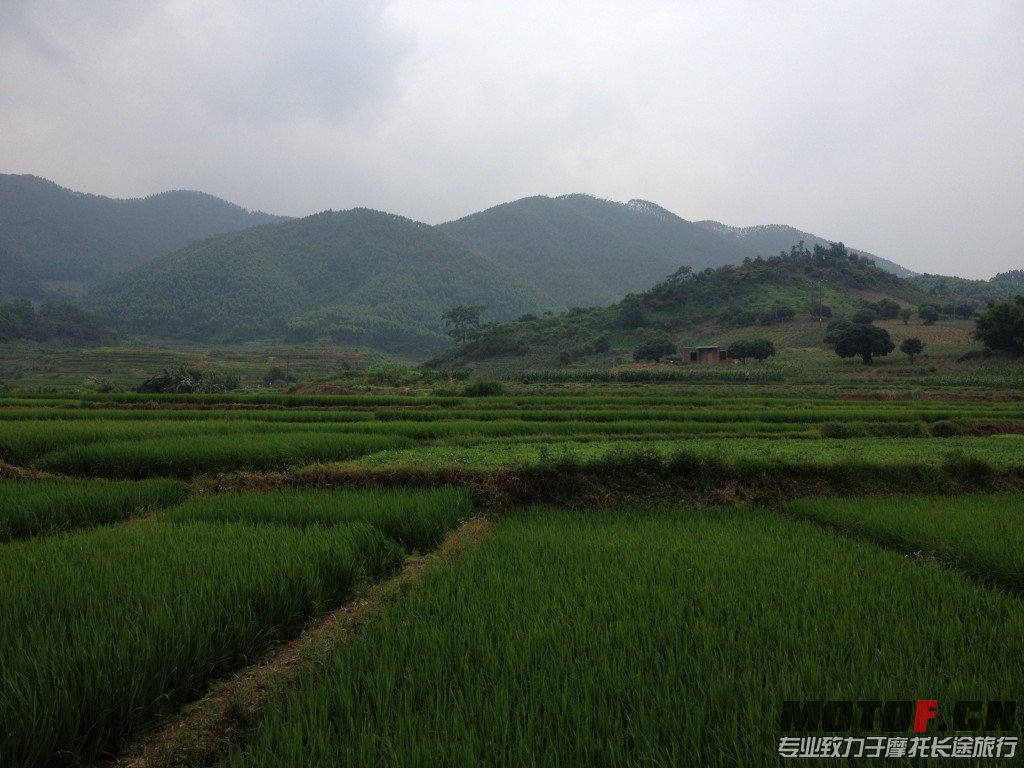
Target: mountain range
[
  {"x": 56, "y": 242},
  {"x": 186, "y": 265}
]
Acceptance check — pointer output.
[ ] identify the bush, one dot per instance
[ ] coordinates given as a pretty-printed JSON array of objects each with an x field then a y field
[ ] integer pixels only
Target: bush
[
  {"x": 186, "y": 380},
  {"x": 654, "y": 348},
  {"x": 928, "y": 313},
  {"x": 483, "y": 388},
  {"x": 759, "y": 349},
  {"x": 276, "y": 377},
  {"x": 863, "y": 316},
  {"x": 912, "y": 347},
  {"x": 1001, "y": 326}
]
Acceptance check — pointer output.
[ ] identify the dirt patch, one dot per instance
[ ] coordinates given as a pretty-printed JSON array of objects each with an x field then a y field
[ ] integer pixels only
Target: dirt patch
[
  {"x": 205, "y": 730},
  {"x": 12, "y": 472}
]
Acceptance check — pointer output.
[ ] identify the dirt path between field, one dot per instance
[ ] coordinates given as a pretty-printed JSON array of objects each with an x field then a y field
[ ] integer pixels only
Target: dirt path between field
[{"x": 205, "y": 730}]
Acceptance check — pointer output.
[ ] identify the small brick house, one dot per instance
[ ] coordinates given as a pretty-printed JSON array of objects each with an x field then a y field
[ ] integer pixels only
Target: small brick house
[{"x": 706, "y": 355}]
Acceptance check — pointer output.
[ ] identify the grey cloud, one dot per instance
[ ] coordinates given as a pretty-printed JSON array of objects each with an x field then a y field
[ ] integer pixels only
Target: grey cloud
[{"x": 893, "y": 126}]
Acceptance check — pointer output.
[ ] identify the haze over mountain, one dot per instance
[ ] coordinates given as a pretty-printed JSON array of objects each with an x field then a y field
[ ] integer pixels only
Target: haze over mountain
[
  {"x": 357, "y": 277},
  {"x": 57, "y": 242}
]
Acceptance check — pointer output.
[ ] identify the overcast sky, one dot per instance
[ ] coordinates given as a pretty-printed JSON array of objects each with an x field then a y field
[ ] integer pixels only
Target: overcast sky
[{"x": 897, "y": 127}]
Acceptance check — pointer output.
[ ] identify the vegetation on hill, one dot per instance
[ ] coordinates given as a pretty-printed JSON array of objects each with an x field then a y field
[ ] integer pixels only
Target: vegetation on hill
[
  {"x": 582, "y": 251},
  {"x": 958, "y": 296},
  {"x": 56, "y": 242},
  {"x": 356, "y": 277},
  {"x": 772, "y": 238},
  {"x": 759, "y": 292},
  {"x": 51, "y": 322}
]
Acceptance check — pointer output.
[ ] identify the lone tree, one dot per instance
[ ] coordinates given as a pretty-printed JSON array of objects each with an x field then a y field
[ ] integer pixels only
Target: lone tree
[
  {"x": 759, "y": 349},
  {"x": 905, "y": 314},
  {"x": 863, "y": 341},
  {"x": 912, "y": 347},
  {"x": 463, "y": 322},
  {"x": 1001, "y": 326},
  {"x": 928, "y": 313}
]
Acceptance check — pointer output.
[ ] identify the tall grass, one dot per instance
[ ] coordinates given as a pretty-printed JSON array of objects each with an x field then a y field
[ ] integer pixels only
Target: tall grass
[
  {"x": 418, "y": 520},
  {"x": 35, "y": 508},
  {"x": 102, "y": 630},
  {"x": 665, "y": 638},
  {"x": 184, "y": 457},
  {"x": 978, "y": 533}
]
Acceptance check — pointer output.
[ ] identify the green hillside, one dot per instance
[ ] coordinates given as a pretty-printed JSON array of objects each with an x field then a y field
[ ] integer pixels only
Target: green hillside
[
  {"x": 958, "y": 292},
  {"x": 56, "y": 242},
  {"x": 699, "y": 307},
  {"x": 773, "y": 238},
  {"x": 356, "y": 277},
  {"x": 583, "y": 251}
]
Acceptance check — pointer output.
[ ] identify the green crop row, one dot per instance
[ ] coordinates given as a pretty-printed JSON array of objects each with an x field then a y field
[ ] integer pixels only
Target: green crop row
[
  {"x": 663, "y": 638},
  {"x": 417, "y": 520},
  {"x": 980, "y": 534},
  {"x": 34, "y": 508},
  {"x": 918, "y": 461},
  {"x": 184, "y": 457},
  {"x": 104, "y": 629}
]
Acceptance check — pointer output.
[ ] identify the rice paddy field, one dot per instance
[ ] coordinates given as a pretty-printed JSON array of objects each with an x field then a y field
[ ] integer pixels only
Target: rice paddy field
[{"x": 564, "y": 573}]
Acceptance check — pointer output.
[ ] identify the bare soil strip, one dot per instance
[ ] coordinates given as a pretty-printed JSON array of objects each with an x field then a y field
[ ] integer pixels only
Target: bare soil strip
[{"x": 204, "y": 731}]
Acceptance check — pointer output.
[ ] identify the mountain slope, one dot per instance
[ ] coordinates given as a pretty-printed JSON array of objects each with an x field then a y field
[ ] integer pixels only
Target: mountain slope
[
  {"x": 744, "y": 297},
  {"x": 54, "y": 241},
  {"x": 357, "y": 277},
  {"x": 770, "y": 239},
  {"x": 583, "y": 251}
]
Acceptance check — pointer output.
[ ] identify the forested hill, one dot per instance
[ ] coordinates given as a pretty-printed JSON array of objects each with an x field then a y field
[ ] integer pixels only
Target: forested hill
[
  {"x": 584, "y": 251},
  {"x": 55, "y": 242},
  {"x": 822, "y": 282},
  {"x": 767, "y": 239},
  {"x": 356, "y": 277}
]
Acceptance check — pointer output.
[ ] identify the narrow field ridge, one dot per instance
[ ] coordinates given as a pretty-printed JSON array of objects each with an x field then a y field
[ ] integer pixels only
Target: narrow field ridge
[{"x": 205, "y": 730}]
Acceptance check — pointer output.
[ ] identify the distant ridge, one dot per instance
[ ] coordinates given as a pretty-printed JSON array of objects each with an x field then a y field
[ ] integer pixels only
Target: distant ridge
[
  {"x": 57, "y": 242},
  {"x": 582, "y": 251}
]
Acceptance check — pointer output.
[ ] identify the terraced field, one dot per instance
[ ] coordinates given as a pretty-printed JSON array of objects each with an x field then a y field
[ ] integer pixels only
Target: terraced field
[{"x": 669, "y": 562}]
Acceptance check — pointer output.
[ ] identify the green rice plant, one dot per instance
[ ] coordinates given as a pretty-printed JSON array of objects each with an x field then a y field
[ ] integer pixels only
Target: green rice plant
[
  {"x": 666, "y": 637},
  {"x": 982, "y": 534},
  {"x": 21, "y": 442},
  {"x": 911, "y": 462},
  {"x": 869, "y": 429},
  {"x": 33, "y": 508},
  {"x": 104, "y": 630},
  {"x": 417, "y": 520},
  {"x": 182, "y": 414},
  {"x": 185, "y": 457}
]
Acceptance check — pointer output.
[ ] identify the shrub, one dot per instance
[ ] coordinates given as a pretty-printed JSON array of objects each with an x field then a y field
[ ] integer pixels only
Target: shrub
[
  {"x": 654, "y": 348},
  {"x": 483, "y": 388},
  {"x": 1001, "y": 326},
  {"x": 912, "y": 347}
]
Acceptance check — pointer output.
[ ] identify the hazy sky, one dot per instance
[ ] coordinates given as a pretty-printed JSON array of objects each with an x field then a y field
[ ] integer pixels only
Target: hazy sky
[{"x": 895, "y": 126}]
